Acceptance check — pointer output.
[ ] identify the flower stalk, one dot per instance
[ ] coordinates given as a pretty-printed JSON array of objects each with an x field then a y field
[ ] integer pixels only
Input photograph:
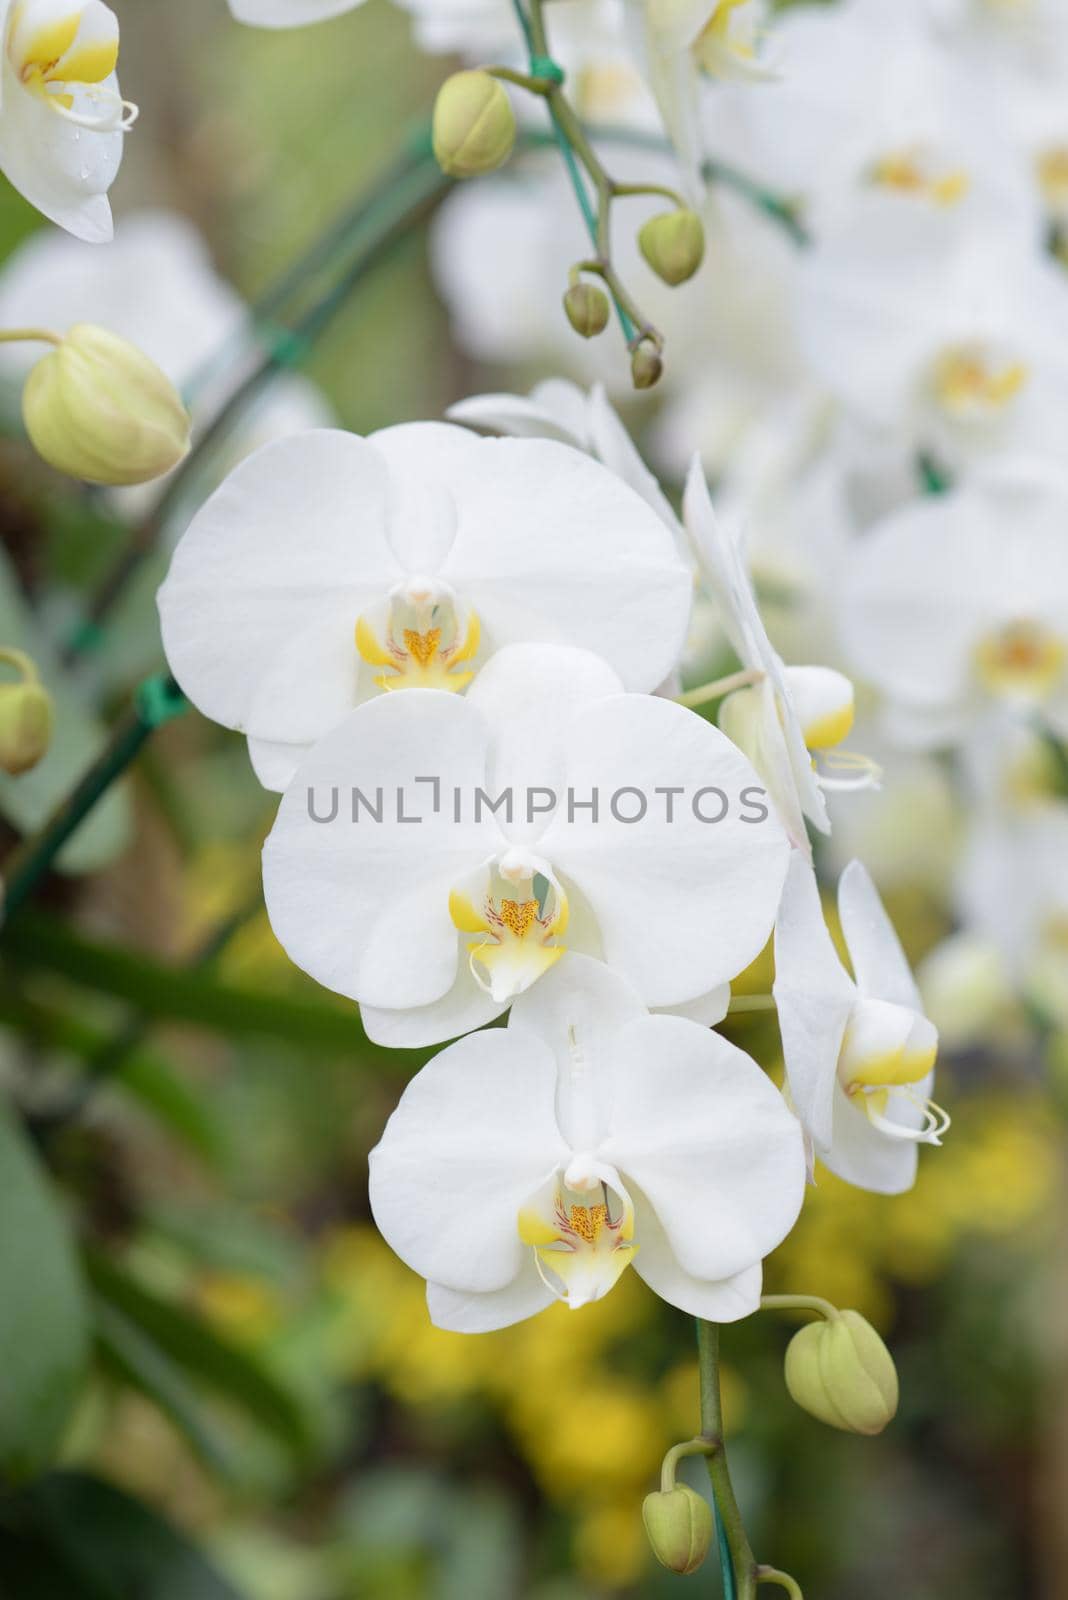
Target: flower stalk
[{"x": 742, "y": 1573}]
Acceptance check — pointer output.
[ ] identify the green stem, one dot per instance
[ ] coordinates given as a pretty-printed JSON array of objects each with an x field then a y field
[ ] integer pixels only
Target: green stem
[
  {"x": 29, "y": 336},
  {"x": 721, "y": 686},
  {"x": 691, "y": 1447},
  {"x": 21, "y": 662},
  {"x": 783, "y": 1579},
  {"x": 742, "y": 1003},
  {"x": 800, "y": 1302},
  {"x": 576, "y": 147},
  {"x": 155, "y": 702},
  {"x": 742, "y": 1563}
]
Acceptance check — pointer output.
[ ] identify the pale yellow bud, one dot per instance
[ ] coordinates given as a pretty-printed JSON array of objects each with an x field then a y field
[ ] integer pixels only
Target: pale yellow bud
[
  {"x": 587, "y": 309},
  {"x": 645, "y": 365},
  {"x": 474, "y": 125},
  {"x": 841, "y": 1372},
  {"x": 26, "y": 716},
  {"x": 679, "y": 1525},
  {"x": 98, "y": 409},
  {"x": 673, "y": 243}
]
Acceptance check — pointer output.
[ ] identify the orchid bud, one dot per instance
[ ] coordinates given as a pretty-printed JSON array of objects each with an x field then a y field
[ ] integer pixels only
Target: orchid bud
[
  {"x": 98, "y": 409},
  {"x": 587, "y": 309},
  {"x": 673, "y": 243},
  {"x": 26, "y": 716},
  {"x": 679, "y": 1525},
  {"x": 645, "y": 365},
  {"x": 474, "y": 125},
  {"x": 841, "y": 1372}
]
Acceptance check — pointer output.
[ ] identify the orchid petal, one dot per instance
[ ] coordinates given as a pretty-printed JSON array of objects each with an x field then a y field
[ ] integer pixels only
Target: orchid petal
[
  {"x": 814, "y": 997},
  {"x": 364, "y": 905},
  {"x": 258, "y": 618},
  {"x": 709, "y": 1141},
  {"x": 473, "y": 1137}
]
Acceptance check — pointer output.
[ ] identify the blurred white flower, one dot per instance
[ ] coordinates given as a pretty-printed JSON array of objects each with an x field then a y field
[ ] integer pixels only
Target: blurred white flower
[
  {"x": 859, "y": 1052},
  {"x": 958, "y": 605},
  {"x": 328, "y": 567},
  {"x": 872, "y": 104},
  {"x": 289, "y": 13},
  {"x": 536, "y": 1163},
  {"x": 62, "y": 118},
  {"x": 634, "y": 831},
  {"x": 950, "y": 335},
  {"x": 1012, "y": 890}
]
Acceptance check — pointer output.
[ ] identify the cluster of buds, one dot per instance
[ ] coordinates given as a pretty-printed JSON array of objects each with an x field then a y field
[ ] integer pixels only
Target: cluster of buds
[
  {"x": 474, "y": 132},
  {"x": 837, "y": 1369}
]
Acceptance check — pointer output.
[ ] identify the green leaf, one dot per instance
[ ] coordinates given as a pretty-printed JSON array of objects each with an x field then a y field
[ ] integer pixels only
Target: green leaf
[
  {"x": 44, "y": 1318},
  {"x": 193, "y": 995},
  {"x": 141, "y": 1073},
  {"x": 77, "y": 739},
  {"x": 73, "y": 1537},
  {"x": 232, "y": 1373},
  {"x": 128, "y": 1353}
]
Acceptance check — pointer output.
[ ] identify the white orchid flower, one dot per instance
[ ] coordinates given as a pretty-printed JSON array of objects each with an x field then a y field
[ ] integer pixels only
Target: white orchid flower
[
  {"x": 859, "y": 1051},
  {"x": 956, "y": 337},
  {"x": 62, "y": 118},
  {"x": 680, "y": 39},
  {"x": 329, "y": 568},
  {"x": 957, "y": 605},
  {"x": 289, "y": 13},
  {"x": 787, "y": 712},
  {"x": 559, "y": 409},
  {"x": 437, "y": 915},
  {"x": 537, "y": 1162}
]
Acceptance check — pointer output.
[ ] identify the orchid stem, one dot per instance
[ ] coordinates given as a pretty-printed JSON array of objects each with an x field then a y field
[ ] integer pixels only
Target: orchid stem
[
  {"x": 29, "y": 335},
  {"x": 800, "y": 1302},
  {"x": 577, "y": 150},
  {"x": 716, "y": 690},
  {"x": 157, "y": 700},
  {"x": 739, "y": 1567},
  {"x": 742, "y": 1003}
]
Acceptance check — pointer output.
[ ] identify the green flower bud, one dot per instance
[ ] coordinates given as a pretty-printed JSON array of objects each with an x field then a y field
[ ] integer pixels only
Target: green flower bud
[
  {"x": 679, "y": 1525},
  {"x": 98, "y": 409},
  {"x": 587, "y": 309},
  {"x": 841, "y": 1372},
  {"x": 474, "y": 125},
  {"x": 673, "y": 243},
  {"x": 645, "y": 365},
  {"x": 26, "y": 716}
]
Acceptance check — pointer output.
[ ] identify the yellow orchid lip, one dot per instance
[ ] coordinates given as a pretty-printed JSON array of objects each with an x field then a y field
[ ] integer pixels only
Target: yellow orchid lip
[
  {"x": 514, "y": 937},
  {"x": 580, "y": 1249},
  {"x": 420, "y": 661},
  {"x": 54, "y": 59},
  {"x": 886, "y": 1051}
]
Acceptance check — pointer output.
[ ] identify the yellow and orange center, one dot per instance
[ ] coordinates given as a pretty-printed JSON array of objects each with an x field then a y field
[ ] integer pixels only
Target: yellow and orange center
[
  {"x": 1024, "y": 658},
  {"x": 972, "y": 384}
]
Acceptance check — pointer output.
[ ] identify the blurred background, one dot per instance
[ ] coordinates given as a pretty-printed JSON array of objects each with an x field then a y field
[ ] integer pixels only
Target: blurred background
[{"x": 226, "y": 1385}]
